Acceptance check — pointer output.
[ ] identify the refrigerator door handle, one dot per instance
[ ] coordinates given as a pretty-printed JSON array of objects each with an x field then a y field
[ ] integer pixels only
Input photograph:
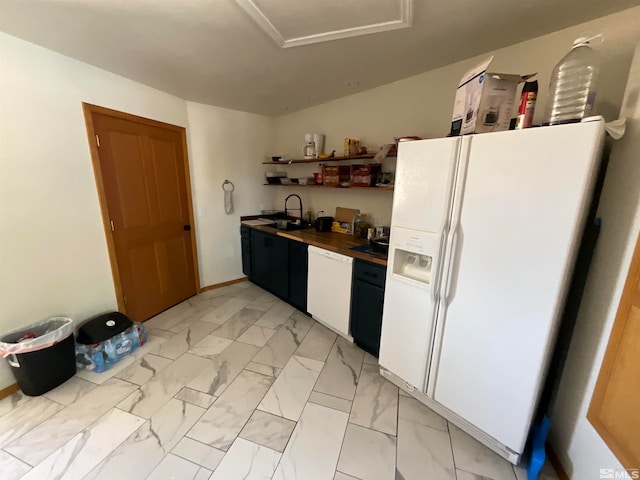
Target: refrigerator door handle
[
  {"x": 456, "y": 237},
  {"x": 435, "y": 280},
  {"x": 456, "y": 253},
  {"x": 439, "y": 263}
]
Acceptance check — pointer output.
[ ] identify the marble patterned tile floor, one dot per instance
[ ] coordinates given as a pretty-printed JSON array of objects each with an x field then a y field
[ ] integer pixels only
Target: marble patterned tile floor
[{"x": 236, "y": 384}]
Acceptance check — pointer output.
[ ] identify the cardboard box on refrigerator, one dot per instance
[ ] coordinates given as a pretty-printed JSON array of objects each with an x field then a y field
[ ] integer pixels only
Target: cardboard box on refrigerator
[{"x": 485, "y": 100}]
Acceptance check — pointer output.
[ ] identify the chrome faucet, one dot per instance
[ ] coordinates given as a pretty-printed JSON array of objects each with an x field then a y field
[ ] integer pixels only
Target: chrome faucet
[{"x": 299, "y": 201}]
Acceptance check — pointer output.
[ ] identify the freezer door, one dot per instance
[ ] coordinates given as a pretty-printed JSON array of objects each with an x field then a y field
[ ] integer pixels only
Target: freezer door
[
  {"x": 424, "y": 177},
  {"x": 514, "y": 235},
  {"x": 410, "y": 304},
  {"x": 422, "y": 203}
]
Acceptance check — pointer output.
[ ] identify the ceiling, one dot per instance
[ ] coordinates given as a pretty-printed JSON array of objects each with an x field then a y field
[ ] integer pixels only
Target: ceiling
[
  {"x": 290, "y": 24},
  {"x": 214, "y": 52}
]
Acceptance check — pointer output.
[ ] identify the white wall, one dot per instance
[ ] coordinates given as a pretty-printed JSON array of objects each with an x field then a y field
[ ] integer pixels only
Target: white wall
[
  {"x": 422, "y": 104},
  {"x": 375, "y": 204},
  {"x": 53, "y": 254},
  {"x": 579, "y": 446},
  {"x": 225, "y": 144}
]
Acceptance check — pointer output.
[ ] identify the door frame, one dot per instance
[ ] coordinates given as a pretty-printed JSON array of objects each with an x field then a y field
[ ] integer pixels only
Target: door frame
[
  {"x": 88, "y": 110},
  {"x": 608, "y": 362}
]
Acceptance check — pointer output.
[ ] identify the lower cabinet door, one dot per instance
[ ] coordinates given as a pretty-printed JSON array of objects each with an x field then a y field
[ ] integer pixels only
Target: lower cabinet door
[
  {"x": 260, "y": 258},
  {"x": 246, "y": 257},
  {"x": 269, "y": 257},
  {"x": 298, "y": 268},
  {"x": 278, "y": 280},
  {"x": 366, "y": 315}
]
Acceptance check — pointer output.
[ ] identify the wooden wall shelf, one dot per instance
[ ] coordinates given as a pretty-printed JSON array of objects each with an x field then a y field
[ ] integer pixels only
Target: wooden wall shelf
[
  {"x": 321, "y": 160},
  {"x": 327, "y": 186}
]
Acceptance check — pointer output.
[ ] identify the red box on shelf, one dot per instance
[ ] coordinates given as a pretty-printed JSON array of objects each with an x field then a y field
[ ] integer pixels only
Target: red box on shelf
[
  {"x": 334, "y": 175},
  {"x": 365, "y": 175}
]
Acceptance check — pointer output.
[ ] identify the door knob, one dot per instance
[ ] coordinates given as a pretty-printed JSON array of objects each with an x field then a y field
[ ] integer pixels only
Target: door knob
[{"x": 187, "y": 227}]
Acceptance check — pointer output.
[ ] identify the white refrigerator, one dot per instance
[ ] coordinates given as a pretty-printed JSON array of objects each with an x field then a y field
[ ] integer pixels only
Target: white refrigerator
[{"x": 484, "y": 234}]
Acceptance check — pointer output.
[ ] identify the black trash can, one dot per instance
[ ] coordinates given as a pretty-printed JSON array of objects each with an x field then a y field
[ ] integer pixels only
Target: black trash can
[{"x": 44, "y": 361}]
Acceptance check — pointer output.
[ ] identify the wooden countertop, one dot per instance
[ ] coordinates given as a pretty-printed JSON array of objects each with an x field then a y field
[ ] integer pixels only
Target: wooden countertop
[{"x": 334, "y": 242}]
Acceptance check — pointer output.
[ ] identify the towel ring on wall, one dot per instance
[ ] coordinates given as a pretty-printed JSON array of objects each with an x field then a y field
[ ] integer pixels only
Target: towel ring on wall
[{"x": 226, "y": 188}]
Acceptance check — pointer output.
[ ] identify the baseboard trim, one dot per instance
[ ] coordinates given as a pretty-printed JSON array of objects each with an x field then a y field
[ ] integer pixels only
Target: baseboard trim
[
  {"x": 5, "y": 392},
  {"x": 555, "y": 463},
  {"x": 223, "y": 284}
]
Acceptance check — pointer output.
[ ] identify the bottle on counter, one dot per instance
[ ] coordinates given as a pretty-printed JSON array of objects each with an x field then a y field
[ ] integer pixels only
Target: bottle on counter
[
  {"x": 309, "y": 216},
  {"x": 573, "y": 86},
  {"x": 357, "y": 225}
]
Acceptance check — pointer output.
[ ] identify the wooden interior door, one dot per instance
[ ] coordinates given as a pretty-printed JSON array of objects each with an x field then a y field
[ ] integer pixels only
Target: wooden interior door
[
  {"x": 614, "y": 410},
  {"x": 144, "y": 177}
]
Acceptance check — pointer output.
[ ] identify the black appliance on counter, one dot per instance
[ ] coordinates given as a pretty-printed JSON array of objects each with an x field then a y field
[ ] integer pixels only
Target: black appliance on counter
[{"x": 323, "y": 224}]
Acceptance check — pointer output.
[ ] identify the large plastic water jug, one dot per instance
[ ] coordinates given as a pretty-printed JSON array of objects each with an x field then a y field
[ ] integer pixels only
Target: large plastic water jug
[{"x": 573, "y": 85}]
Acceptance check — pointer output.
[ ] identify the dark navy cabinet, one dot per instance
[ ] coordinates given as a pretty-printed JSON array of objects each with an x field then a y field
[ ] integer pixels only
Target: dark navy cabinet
[
  {"x": 245, "y": 238},
  {"x": 367, "y": 301},
  {"x": 276, "y": 264},
  {"x": 298, "y": 262},
  {"x": 269, "y": 262}
]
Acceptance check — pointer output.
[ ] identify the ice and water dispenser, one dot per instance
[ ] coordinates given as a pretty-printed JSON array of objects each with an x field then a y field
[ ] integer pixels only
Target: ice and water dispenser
[
  {"x": 414, "y": 266},
  {"x": 413, "y": 255}
]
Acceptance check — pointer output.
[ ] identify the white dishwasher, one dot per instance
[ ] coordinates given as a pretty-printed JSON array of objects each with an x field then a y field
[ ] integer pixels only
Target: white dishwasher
[{"x": 329, "y": 289}]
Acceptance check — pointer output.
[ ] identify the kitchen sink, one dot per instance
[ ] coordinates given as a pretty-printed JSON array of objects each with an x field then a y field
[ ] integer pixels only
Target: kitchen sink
[
  {"x": 367, "y": 249},
  {"x": 293, "y": 226},
  {"x": 287, "y": 225}
]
